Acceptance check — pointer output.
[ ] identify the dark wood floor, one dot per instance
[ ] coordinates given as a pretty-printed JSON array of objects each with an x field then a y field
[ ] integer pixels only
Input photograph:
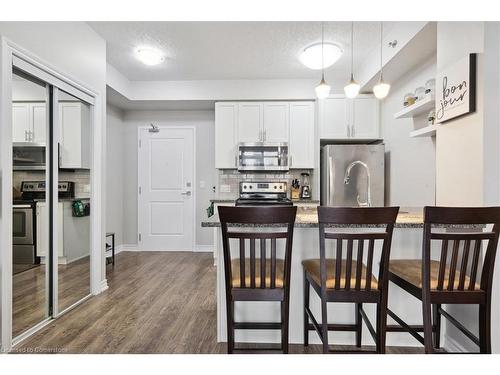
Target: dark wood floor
[
  {"x": 29, "y": 292},
  {"x": 156, "y": 303}
]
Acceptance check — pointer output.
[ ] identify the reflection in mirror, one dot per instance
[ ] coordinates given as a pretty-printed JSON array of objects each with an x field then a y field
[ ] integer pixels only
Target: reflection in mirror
[
  {"x": 30, "y": 230},
  {"x": 74, "y": 200}
]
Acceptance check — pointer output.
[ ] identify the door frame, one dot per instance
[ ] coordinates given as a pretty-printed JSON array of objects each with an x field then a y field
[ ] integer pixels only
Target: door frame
[
  {"x": 10, "y": 51},
  {"x": 194, "y": 186}
]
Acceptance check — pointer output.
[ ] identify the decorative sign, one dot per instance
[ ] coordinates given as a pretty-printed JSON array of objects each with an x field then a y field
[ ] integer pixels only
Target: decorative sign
[{"x": 456, "y": 90}]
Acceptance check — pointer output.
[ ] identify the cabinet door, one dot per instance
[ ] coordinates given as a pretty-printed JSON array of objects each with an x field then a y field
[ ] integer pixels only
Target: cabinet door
[
  {"x": 20, "y": 122},
  {"x": 276, "y": 121},
  {"x": 42, "y": 229},
  {"x": 301, "y": 146},
  {"x": 70, "y": 135},
  {"x": 365, "y": 117},
  {"x": 226, "y": 117},
  {"x": 250, "y": 122},
  {"x": 334, "y": 118},
  {"x": 38, "y": 116}
]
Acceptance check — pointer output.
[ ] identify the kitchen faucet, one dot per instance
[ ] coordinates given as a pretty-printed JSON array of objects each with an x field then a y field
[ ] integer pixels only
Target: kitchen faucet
[{"x": 347, "y": 179}]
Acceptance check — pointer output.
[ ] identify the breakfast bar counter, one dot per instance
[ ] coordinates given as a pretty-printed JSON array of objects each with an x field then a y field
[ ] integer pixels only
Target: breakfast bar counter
[{"x": 406, "y": 243}]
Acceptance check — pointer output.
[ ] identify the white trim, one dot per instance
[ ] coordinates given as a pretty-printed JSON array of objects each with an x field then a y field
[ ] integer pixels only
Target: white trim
[
  {"x": 193, "y": 186},
  {"x": 204, "y": 249},
  {"x": 104, "y": 285},
  {"x": 125, "y": 247},
  {"x": 30, "y": 332}
]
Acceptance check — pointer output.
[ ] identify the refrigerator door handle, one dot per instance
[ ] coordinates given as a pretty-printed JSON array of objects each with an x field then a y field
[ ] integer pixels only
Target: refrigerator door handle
[{"x": 331, "y": 181}]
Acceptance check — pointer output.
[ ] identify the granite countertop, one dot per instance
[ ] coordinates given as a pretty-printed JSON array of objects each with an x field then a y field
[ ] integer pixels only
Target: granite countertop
[{"x": 307, "y": 217}]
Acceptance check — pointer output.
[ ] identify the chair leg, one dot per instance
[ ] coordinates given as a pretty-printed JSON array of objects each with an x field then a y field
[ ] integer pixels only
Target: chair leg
[
  {"x": 324, "y": 324},
  {"x": 485, "y": 328},
  {"x": 427, "y": 321},
  {"x": 284, "y": 327},
  {"x": 436, "y": 318},
  {"x": 381, "y": 326},
  {"x": 306, "y": 304},
  {"x": 359, "y": 324},
  {"x": 230, "y": 327}
]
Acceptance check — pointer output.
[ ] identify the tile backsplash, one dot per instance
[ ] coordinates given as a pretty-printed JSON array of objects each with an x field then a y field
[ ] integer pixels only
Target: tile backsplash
[
  {"x": 81, "y": 178},
  {"x": 229, "y": 180}
]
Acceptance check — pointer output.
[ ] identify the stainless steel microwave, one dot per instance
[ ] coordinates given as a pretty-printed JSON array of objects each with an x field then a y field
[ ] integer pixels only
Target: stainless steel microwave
[
  {"x": 28, "y": 156},
  {"x": 262, "y": 156}
]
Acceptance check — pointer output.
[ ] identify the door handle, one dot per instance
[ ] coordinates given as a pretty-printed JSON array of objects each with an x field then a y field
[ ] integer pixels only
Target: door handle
[{"x": 187, "y": 193}]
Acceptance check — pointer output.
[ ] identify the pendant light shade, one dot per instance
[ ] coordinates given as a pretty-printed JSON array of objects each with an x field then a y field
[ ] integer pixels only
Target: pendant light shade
[
  {"x": 351, "y": 90},
  {"x": 323, "y": 89},
  {"x": 381, "y": 89}
]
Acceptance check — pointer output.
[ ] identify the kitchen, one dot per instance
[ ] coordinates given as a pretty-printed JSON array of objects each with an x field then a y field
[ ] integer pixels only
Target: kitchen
[{"x": 201, "y": 132}]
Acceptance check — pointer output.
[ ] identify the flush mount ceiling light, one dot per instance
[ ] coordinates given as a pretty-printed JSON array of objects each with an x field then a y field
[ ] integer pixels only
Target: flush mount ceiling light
[
  {"x": 150, "y": 56},
  {"x": 311, "y": 56}
]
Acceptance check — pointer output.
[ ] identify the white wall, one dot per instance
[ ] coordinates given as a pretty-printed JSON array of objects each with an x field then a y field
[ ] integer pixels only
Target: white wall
[
  {"x": 115, "y": 167},
  {"x": 410, "y": 162},
  {"x": 73, "y": 49},
  {"x": 204, "y": 122}
]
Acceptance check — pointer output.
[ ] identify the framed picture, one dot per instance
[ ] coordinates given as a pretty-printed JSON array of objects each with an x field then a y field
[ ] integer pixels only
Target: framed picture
[{"x": 456, "y": 89}]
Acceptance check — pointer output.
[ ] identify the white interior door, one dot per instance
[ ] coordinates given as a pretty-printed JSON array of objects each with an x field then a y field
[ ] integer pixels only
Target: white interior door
[{"x": 166, "y": 189}]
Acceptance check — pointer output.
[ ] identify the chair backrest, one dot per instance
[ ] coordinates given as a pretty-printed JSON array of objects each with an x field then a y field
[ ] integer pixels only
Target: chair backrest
[
  {"x": 255, "y": 228},
  {"x": 460, "y": 264},
  {"x": 384, "y": 217}
]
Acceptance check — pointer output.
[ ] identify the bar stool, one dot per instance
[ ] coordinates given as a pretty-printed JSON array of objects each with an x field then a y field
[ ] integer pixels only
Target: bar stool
[
  {"x": 249, "y": 277},
  {"x": 348, "y": 277},
  {"x": 452, "y": 279}
]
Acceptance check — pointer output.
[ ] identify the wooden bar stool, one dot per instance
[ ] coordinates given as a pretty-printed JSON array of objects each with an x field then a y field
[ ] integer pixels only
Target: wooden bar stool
[
  {"x": 348, "y": 277},
  {"x": 253, "y": 277},
  {"x": 450, "y": 277}
]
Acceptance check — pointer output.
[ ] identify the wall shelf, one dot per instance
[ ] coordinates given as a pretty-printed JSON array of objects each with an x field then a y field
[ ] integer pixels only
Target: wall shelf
[
  {"x": 420, "y": 107},
  {"x": 428, "y": 131}
]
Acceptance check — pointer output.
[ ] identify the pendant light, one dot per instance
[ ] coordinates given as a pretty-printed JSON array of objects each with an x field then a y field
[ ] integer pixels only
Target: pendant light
[
  {"x": 351, "y": 90},
  {"x": 323, "y": 89},
  {"x": 381, "y": 89}
]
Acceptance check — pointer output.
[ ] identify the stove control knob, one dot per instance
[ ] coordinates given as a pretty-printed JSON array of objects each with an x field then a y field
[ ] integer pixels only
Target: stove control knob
[
  {"x": 244, "y": 187},
  {"x": 251, "y": 187},
  {"x": 275, "y": 187}
]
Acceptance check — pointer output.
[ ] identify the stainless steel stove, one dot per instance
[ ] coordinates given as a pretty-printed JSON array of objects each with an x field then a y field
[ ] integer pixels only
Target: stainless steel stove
[{"x": 263, "y": 194}]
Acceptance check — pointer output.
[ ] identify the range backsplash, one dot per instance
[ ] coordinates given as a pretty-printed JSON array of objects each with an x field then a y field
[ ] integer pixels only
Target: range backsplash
[
  {"x": 81, "y": 178},
  {"x": 232, "y": 178}
]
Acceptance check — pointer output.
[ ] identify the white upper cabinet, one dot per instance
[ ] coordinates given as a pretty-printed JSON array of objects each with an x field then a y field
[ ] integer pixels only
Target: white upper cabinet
[
  {"x": 29, "y": 122},
  {"x": 276, "y": 122},
  {"x": 74, "y": 132},
  {"x": 333, "y": 117},
  {"x": 250, "y": 122},
  {"x": 226, "y": 120},
  {"x": 342, "y": 118},
  {"x": 301, "y": 146},
  {"x": 365, "y": 117}
]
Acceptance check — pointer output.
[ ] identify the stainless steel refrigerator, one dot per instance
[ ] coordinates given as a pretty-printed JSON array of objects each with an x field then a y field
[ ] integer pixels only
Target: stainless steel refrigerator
[{"x": 352, "y": 175}]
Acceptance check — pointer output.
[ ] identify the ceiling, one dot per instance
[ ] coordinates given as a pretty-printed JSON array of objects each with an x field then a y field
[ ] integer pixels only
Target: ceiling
[{"x": 232, "y": 50}]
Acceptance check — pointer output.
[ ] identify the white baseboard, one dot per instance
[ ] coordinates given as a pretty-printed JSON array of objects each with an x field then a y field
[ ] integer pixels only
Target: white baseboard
[
  {"x": 125, "y": 247},
  {"x": 204, "y": 249},
  {"x": 104, "y": 285},
  {"x": 452, "y": 346}
]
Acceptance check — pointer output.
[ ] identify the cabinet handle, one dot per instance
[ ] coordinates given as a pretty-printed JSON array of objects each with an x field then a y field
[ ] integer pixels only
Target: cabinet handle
[
  {"x": 26, "y": 135},
  {"x": 348, "y": 131},
  {"x": 290, "y": 161},
  {"x": 353, "y": 131}
]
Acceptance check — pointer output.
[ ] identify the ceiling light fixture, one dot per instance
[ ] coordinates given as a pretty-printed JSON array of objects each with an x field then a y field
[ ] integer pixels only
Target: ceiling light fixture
[
  {"x": 381, "y": 89},
  {"x": 311, "y": 56},
  {"x": 150, "y": 56},
  {"x": 352, "y": 88},
  {"x": 323, "y": 89}
]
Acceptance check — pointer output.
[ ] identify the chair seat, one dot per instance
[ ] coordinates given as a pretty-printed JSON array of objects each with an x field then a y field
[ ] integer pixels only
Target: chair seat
[
  {"x": 312, "y": 266},
  {"x": 236, "y": 279},
  {"x": 410, "y": 270}
]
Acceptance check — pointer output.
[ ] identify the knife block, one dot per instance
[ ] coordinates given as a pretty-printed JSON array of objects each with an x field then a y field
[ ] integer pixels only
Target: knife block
[{"x": 295, "y": 193}]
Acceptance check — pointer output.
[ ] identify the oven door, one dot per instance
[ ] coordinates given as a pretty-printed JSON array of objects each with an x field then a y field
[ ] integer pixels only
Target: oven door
[{"x": 22, "y": 225}]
